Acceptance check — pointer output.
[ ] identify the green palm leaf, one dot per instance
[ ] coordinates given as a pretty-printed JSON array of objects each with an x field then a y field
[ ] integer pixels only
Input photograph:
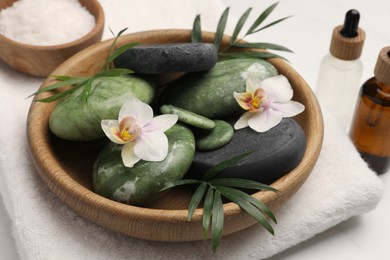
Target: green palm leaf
[
  {"x": 239, "y": 25},
  {"x": 223, "y": 165},
  {"x": 207, "y": 209},
  {"x": 118, "y": 51},
  {"x": 87, "y": 89},
  {"x": 56, "y": 96},
  {"x": 113, "y": 73},
  {"x": 262, "y": 45},
  {"x": 221, "y": 28},
  {"x": 271, "y": 24},
  {"x": 261, "y": 18},
  {"x": 106, "y": 65},
  {"x": 244, "y": 203},
  {"x": 195, "y": 200},
  {"x": 67, "y": 82},
  {"x": 217, "y": 220},
  {"x": 241, "y": 183},
  {"x": 255, "y": 54},
  {"x": 180, "y": 182},
  {"x": 251, "y": 200},
  {"x": 196, "y": 35}
]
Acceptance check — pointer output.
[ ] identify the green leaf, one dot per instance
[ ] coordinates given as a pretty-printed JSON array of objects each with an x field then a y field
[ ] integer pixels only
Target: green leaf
[
  {"x": 223, "y": 165},
  {"x": 57, "y": 96},
  {"x": 118, "y": 52},
  {"x": 221, "y": 28},
  {"x": 217, "y": 220},
  {"x": 254, "y": 54},
  {"x": 271, "y": 24},
  {"x": 180, "y": 182},
  {"x": 195, "y": 200},
  {"x": 262, "y": 45},
  {"x": 196, "y": 35},
  {"x": 239, "y": 25},
  {"x": 113, "y": 73},
  {"x": 261, "y": 18},
  {"x": 60, "y": 77},
  {"x": 107, "y": 64},
  {"x": 87, "y": 89},
  {"x": 68, "y": 82},
  {"x": 245, "y": 204},
  {"x": 260, "y": 205},
  {"x": 241, "y": 183},
  {"x": 207, "y": 208}
]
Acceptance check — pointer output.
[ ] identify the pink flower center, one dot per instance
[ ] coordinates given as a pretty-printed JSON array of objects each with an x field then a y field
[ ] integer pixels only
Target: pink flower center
[
  {"x": 129, "y": 130},
  {"x": 257, "y": 101}
]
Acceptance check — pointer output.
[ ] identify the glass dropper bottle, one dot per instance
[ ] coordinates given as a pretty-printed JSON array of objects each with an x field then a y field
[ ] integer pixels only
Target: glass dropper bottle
[
  {"x": 370, "y": 129},
  {"x": 340, "y": 73}
]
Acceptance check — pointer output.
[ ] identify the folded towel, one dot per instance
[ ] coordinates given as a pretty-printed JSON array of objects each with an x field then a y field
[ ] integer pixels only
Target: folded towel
[{"x": 339, "y": 187}]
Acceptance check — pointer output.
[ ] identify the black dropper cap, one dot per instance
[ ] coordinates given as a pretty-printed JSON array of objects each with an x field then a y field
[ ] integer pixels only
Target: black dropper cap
[{"x": 351, "y": 24}]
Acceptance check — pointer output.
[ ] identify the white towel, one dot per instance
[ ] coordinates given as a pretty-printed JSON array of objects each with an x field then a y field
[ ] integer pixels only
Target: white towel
[{"x": 340, "y": 186}]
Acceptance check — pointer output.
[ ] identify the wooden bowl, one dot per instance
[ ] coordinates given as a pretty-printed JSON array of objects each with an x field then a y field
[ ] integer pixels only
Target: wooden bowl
[
  {"x": 42, "y": 60},
  {"x": 66, "y": 167}
]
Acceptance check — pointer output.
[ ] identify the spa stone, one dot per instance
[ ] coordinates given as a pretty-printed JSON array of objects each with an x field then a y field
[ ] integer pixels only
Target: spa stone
[
  {"x": 176, "y": 57},
  {"x": 188, "y": 117},
  {"x": 215, "y": 138},
  {"x": 210, "y": 93},
  {"x": 275, "y": 153}
]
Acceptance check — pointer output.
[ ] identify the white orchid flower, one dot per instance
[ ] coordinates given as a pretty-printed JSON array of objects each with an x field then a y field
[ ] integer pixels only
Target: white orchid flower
[
  {"x": 266, "y": 102},
  {"x": 141, "y": 134}
]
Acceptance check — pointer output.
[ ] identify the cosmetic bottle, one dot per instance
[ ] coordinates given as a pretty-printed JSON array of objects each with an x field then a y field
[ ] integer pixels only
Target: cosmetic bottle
[
  {"x": 370, "y": 129},
  {"x": 341, "y": 70}
]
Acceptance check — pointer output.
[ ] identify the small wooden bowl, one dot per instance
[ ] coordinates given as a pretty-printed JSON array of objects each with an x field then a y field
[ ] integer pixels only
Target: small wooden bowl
[
  {"x": 66, "y": 167},
  {"x": 40, "y": 61}
]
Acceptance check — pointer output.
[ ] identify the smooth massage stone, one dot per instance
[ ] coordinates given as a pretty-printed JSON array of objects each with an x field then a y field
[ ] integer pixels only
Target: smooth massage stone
[
  {"x": 274, "y": 153},
  {"x": 175, "y": 57},
  {"x": 143, "y": 182},
  {"x": 215, "y": 138},
  {"x": 75, "y": 119},
  {"x": 188, "y": 117},
  {"x": 210, "y": 93}
]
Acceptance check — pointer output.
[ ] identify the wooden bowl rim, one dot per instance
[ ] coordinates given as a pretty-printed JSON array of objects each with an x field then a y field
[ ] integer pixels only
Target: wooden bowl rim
[
  {"x": 57, "y": 178},
  {"x": 99, "y": 24}
]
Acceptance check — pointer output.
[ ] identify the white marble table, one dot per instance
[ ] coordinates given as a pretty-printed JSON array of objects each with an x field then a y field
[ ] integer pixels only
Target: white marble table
[{"x": 308, "y": 34}]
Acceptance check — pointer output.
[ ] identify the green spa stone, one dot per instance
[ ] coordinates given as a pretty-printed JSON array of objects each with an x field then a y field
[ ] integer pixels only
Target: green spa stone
[
  {"x": 77, "y": 120},
  {"x": 188, "y": 117},
  {"x": 210, "y": 93},
  {"x": 142, "y": 183},
  {"x": 215, "y": 138}
]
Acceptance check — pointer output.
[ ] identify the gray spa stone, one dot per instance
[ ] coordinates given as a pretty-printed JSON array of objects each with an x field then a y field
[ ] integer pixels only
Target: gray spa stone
[
  {"x": 275, "y": 153},
  {"x": 175, "y": 57}
]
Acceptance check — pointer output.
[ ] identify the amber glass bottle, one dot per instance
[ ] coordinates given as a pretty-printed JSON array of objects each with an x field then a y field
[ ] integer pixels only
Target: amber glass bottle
[{"x": 370, "y": 130}]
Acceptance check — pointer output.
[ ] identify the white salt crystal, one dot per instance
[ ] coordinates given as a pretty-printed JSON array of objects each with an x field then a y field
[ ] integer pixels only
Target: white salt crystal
[{"x": 45, "y": 22}]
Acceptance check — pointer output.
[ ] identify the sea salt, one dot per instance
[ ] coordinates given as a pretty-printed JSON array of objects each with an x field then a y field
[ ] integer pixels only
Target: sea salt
[{"x": 45, "y": 22}]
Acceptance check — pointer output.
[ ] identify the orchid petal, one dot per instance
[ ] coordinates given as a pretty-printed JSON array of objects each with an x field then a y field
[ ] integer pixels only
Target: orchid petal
[
  {"x": 262, "y": 122},
  {"x": 152, "y": 146},
  {"x": 111, "y": 129},
  {"x": 129, "y": 158},
  {"x": 161, "y": 123},
  {"x": 142, "y": 112},
  {"x": 243, "y": 121},
  {"x": 289, "y": 109},
  {"x": 252, "y": 83},
  {"x": 242, "y": 99},
  {"x": 277, "y": 89}
]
